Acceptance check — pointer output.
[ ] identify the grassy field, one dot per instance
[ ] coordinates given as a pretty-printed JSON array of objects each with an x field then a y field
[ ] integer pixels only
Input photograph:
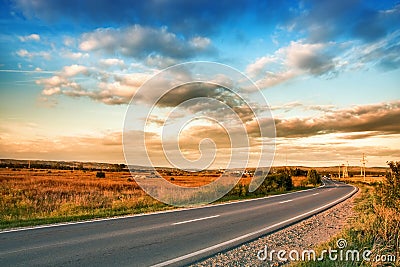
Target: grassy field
[
  {"x": 36, "y": 196},
  {"x": 31, "y": 197},
  {"x": 367, "y": 179}
]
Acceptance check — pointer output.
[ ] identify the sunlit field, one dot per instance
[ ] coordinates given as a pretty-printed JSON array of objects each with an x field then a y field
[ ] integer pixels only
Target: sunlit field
[
  {"x": 367, "y": 179},
  {"x": 37, "y": 196},
  {"x": 61, "y": 195}
]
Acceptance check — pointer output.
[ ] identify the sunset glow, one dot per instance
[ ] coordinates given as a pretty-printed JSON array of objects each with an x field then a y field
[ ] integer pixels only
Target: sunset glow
[{"x": 330, "y": 71}]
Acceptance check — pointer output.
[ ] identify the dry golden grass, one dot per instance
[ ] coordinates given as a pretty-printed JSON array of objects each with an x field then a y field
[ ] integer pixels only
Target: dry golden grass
[
  {"x": 191, "y": 181},
  {"x": 368, "y": 179},
  {"x": 299, "y": 181},
  {"x": 29, "y": 196},
  {"x": 36, "y": 194}
]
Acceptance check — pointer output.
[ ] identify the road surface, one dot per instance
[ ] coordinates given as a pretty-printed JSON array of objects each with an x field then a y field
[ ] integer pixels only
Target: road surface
[{"x": 172, "y": 238}]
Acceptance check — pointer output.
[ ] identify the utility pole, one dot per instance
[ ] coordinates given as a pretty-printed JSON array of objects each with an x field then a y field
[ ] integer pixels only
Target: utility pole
[
  {"x": 345, "y": 172},
  {"x": 363, "y": 161},
  {"x": 339, "y": 171}
]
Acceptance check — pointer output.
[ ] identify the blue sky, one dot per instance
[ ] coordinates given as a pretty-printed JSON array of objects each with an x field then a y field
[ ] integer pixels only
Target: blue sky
[{"x": 329, "y": 70}]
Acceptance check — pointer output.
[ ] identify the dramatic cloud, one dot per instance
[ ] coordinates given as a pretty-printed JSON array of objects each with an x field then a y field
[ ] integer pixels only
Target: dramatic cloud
[
  {"x": 181, "y": 16},
  {"x": 289, "y": 62},
  {"x": 375, "y": 40},
  {"x": 331, "y": 20},
  {"x": 314, "y": 59},
  {"x": 139, "y": 42},
  {"x": 381, "y": 118},
  {"x": 104, "y": 51}
]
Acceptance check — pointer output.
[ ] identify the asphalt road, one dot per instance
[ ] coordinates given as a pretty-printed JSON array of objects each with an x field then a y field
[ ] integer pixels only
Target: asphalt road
[{"x": 173, "y": 238}]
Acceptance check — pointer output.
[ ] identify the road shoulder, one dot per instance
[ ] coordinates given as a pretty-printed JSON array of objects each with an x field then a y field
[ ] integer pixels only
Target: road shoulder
[{"x": 306, "y": 234}]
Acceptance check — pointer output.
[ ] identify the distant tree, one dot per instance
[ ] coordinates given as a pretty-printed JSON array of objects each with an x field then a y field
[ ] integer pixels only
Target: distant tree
[
  {"x": 284, "y": 170},
  {"x": 313, "y": 177},
  {"x": 298, "y": 172},
  {"x": 122, "y": 166},
  {"x": 101, "y": 174}
]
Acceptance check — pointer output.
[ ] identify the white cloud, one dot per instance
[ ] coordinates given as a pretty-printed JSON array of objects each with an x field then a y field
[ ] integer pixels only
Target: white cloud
[
  {"x": 54, "y": 81},
  {"x": 32, "y": 37},
  {"x": 51, "y": 91},
  {"x": 110, "y": 62},
  {"x": 200, "y": 42},
  {"x": 271, "y": 79},
  {"x": 75, "y": 55},
  {"x": 23, "y": 53},
  {"x": 255, "y": 69},
  {"x": 73, "y": 70},
  {"x": 110, "y": 89},
  {"x": 26, "y": 54},
  {"x": 159, "y": 61},
  {"x": 61, "y": 83},
  {"x": 69, "y": 41}
]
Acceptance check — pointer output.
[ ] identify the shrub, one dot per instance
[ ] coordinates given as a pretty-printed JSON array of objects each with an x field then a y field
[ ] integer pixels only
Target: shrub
[
  {"x": 390, "y": 190},
  {"x": 313, "y": 177},
  {"x": 274, "y": 183}
]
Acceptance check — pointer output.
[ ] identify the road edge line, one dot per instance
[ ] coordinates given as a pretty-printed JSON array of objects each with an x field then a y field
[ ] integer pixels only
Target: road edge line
[
  {"x": 293, "y": 219},
  {"x": 37, "y": 227}
]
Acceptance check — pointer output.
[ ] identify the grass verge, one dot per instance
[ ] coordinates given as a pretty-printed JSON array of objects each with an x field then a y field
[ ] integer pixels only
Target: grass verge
[{"x": 372, "y": 238}]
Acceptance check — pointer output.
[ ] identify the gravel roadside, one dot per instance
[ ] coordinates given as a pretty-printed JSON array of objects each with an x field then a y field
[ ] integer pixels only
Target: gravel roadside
[{"x": 307, "y": 234}]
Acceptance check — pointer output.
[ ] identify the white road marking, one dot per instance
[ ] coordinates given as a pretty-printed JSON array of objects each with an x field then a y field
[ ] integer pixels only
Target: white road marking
[
  {"x": 148, "y": 214},
  {"x": 286, "y": 201},
  {"x": 315, "y": 194},
  {"x": 195, "y": 220},
  {"x": 201, "y": 251}
]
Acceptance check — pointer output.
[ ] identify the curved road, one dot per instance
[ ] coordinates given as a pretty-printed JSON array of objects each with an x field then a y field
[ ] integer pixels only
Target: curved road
[{"x": 173, "y": 238}]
